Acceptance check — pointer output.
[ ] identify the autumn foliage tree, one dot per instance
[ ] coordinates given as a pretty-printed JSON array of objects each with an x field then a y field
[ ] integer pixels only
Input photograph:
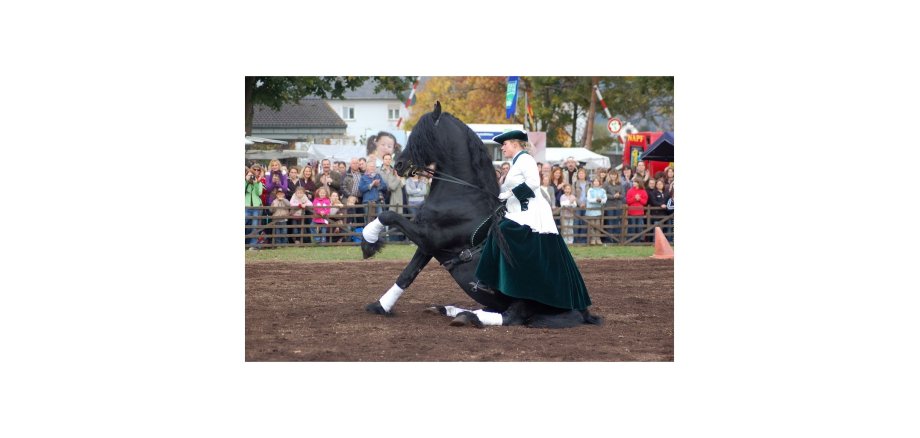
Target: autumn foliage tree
[{"x": 472, "y": 99}]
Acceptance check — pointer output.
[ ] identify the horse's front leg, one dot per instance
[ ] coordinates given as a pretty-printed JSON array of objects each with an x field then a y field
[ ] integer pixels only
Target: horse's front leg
[
  {"x": 386, "y": 302},
  {"x": 370, "y": 237}
]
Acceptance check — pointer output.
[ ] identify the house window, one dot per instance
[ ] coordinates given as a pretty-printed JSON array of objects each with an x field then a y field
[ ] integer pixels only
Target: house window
[
  {"x": 348, "y": 112},
  {"x": 393, "y": 113}
]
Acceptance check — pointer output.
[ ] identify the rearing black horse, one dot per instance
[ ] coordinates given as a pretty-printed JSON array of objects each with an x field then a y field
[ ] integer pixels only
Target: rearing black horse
[{"x": 462, "y": 196}]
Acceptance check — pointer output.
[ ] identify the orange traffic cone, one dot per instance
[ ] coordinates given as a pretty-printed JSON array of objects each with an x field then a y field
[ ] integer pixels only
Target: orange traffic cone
[{"x": 662, "y": 247}]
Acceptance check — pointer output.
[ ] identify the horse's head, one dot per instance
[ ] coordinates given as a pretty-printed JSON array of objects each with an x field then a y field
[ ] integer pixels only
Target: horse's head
[{"x": 419, "y": 151}]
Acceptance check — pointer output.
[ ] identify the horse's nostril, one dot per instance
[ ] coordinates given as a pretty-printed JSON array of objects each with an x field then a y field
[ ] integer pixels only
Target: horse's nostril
[{"x": 398, "y": 166}]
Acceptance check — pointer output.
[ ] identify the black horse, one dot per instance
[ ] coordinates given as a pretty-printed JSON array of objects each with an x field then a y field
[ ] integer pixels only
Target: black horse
[{"x": 461, "y": 200}]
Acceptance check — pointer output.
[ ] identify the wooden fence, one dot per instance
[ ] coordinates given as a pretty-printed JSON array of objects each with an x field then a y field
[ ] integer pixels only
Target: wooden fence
[{"x": 263, "y": 230}]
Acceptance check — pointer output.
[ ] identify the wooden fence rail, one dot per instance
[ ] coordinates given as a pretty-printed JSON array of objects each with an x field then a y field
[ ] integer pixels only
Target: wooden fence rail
[{"x": 263, "y": 230}]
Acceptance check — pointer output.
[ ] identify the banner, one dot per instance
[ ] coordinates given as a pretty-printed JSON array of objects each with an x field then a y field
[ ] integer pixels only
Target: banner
[{"x": 511, "y": 96}]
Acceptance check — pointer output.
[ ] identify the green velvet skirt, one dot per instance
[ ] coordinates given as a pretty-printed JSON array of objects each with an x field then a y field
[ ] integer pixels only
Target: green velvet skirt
[{"x": 543, "y": 271}]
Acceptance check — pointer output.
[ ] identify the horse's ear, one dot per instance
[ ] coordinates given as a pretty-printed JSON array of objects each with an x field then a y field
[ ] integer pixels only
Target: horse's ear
[{"x": 437, "y": 110}]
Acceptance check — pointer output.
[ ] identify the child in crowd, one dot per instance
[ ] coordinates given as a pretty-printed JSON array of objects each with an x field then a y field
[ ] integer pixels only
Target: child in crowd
[
  {"x": 335, "y": 222},
  {"x": 299, "y": 202},
  {"x": 279, "y": 217},
  {"x": 321, "y": 203},
  {"x": 596, "y": 199},
  {"x": 567, "y": 202}
]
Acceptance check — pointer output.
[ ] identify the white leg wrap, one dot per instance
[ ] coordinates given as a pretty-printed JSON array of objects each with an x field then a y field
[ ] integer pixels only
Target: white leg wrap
[
  {"x": 454, "y": 311},
  {"x": 489, "y": 318},
  {"x": 389, "y": 299},
  {"x": 372, "y": 231}
]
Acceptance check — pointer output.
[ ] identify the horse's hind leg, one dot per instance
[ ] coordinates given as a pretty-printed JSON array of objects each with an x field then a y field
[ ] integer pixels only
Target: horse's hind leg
[{"x": 388, "y": 300}]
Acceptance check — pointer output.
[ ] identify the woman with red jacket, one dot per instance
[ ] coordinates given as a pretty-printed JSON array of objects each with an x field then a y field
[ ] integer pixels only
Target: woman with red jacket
[{"x": 636, "y": 199}]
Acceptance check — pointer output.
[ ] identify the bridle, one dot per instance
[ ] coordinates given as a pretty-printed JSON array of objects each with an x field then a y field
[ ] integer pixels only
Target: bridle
[{"x": 441, "y": 176}]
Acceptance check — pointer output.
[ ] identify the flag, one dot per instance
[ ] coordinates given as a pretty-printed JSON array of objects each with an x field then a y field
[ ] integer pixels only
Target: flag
[
  {"x": 511, "y": 96},
  {"x": 411, "y": 100}
]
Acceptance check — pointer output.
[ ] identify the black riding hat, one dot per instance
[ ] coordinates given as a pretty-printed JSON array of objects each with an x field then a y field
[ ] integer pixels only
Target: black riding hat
[{"x": 510, "y": 135}]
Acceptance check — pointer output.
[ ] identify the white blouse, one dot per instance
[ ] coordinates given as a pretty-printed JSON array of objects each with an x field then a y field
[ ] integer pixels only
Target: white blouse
[{"x": 539, "y": 214}]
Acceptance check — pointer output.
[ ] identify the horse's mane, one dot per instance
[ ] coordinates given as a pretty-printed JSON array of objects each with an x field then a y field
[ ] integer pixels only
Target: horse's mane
[{"x": 480, "y": 160}]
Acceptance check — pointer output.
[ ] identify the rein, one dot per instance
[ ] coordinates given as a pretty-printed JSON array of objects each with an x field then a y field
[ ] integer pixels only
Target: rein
[{"x": 441, "y": 176}]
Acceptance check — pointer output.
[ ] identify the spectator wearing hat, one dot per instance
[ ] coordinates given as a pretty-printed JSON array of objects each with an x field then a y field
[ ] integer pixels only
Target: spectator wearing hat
[{"x": 280, "y": 216}]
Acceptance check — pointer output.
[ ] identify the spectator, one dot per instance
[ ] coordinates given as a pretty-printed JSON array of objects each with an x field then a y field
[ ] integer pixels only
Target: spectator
[
  {"x": 307, "y": 182},
  {"x": 570, "y": 171},
  {"x": 626, "y": 178},
  {"x": 548, "y": 190},
  {"x": 558, "y": 182},
  {"x": 293, "y": 179},
  {"x": 636, "y": 200},
  {"x": 614, "y": 205},
  {"x": 395, "y": 184},
  {"x": 641, "y": 172},
  {"x": 336, "y": 222},
  {"x": 372, "y": 186},
  {"x": 416, "y": 189},
  {"x": 280, "y": 215},
  {"x": 581, "y": 187},
  {"x": 253, "y": 195},
  {"x": 668, "y": 177},
  {"x": 505, "y": 167},
  {"x": 341, "y": 167},
  {"x": 351, "y": 184},
  {"x": 328, "y": 176},
  {"x": 275, "y": 180},
  {"x": 321, "y": 210},
  {"x": 670, "y": 207},
  {"x": 567, "y": 204},
  {"x": 596, "y": 199},
  {"x": 362, "y": 164},
  {"x": 658, "y": 201},
  {"x": 299, "y": 202}
]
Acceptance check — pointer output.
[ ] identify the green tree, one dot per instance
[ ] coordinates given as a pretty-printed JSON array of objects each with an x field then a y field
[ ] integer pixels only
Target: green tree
[
  {"x": 558, "y": 103},
  {"x": 275, "y": 91}
]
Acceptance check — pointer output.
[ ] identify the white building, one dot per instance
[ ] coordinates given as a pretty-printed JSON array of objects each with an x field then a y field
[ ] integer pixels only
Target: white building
[{"x": 367, "y": 113}]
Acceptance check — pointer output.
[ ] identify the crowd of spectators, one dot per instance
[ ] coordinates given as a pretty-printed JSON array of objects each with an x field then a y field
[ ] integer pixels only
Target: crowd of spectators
[
  {"x": 306, "y": 205},
  {"x": 588, "y": 202},
  {"x": 326, "y": 200}
]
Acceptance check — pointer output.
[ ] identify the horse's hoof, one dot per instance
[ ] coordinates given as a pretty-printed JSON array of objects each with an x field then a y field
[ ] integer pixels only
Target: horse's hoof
[
  {"x": 467, "y": 318},
  {"x": 437, "y": 310},
  {"x": 369, "y": 249},
  {"x": 376, "y": 308}
]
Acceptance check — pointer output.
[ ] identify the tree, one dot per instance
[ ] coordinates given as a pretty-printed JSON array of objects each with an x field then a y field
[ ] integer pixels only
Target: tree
[
  {"x": 560, "y": 102},
  {"x": 275, "y": 91},
  {"x": 472, "y": 99}
]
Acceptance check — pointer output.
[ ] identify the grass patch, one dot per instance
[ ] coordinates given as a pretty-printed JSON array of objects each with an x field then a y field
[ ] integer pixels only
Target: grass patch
[{"x": 405, "y": 252}]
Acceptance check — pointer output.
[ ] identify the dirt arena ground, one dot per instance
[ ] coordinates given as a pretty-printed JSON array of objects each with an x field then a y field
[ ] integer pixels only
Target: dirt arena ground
[{"x": 314, "y": 321}]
